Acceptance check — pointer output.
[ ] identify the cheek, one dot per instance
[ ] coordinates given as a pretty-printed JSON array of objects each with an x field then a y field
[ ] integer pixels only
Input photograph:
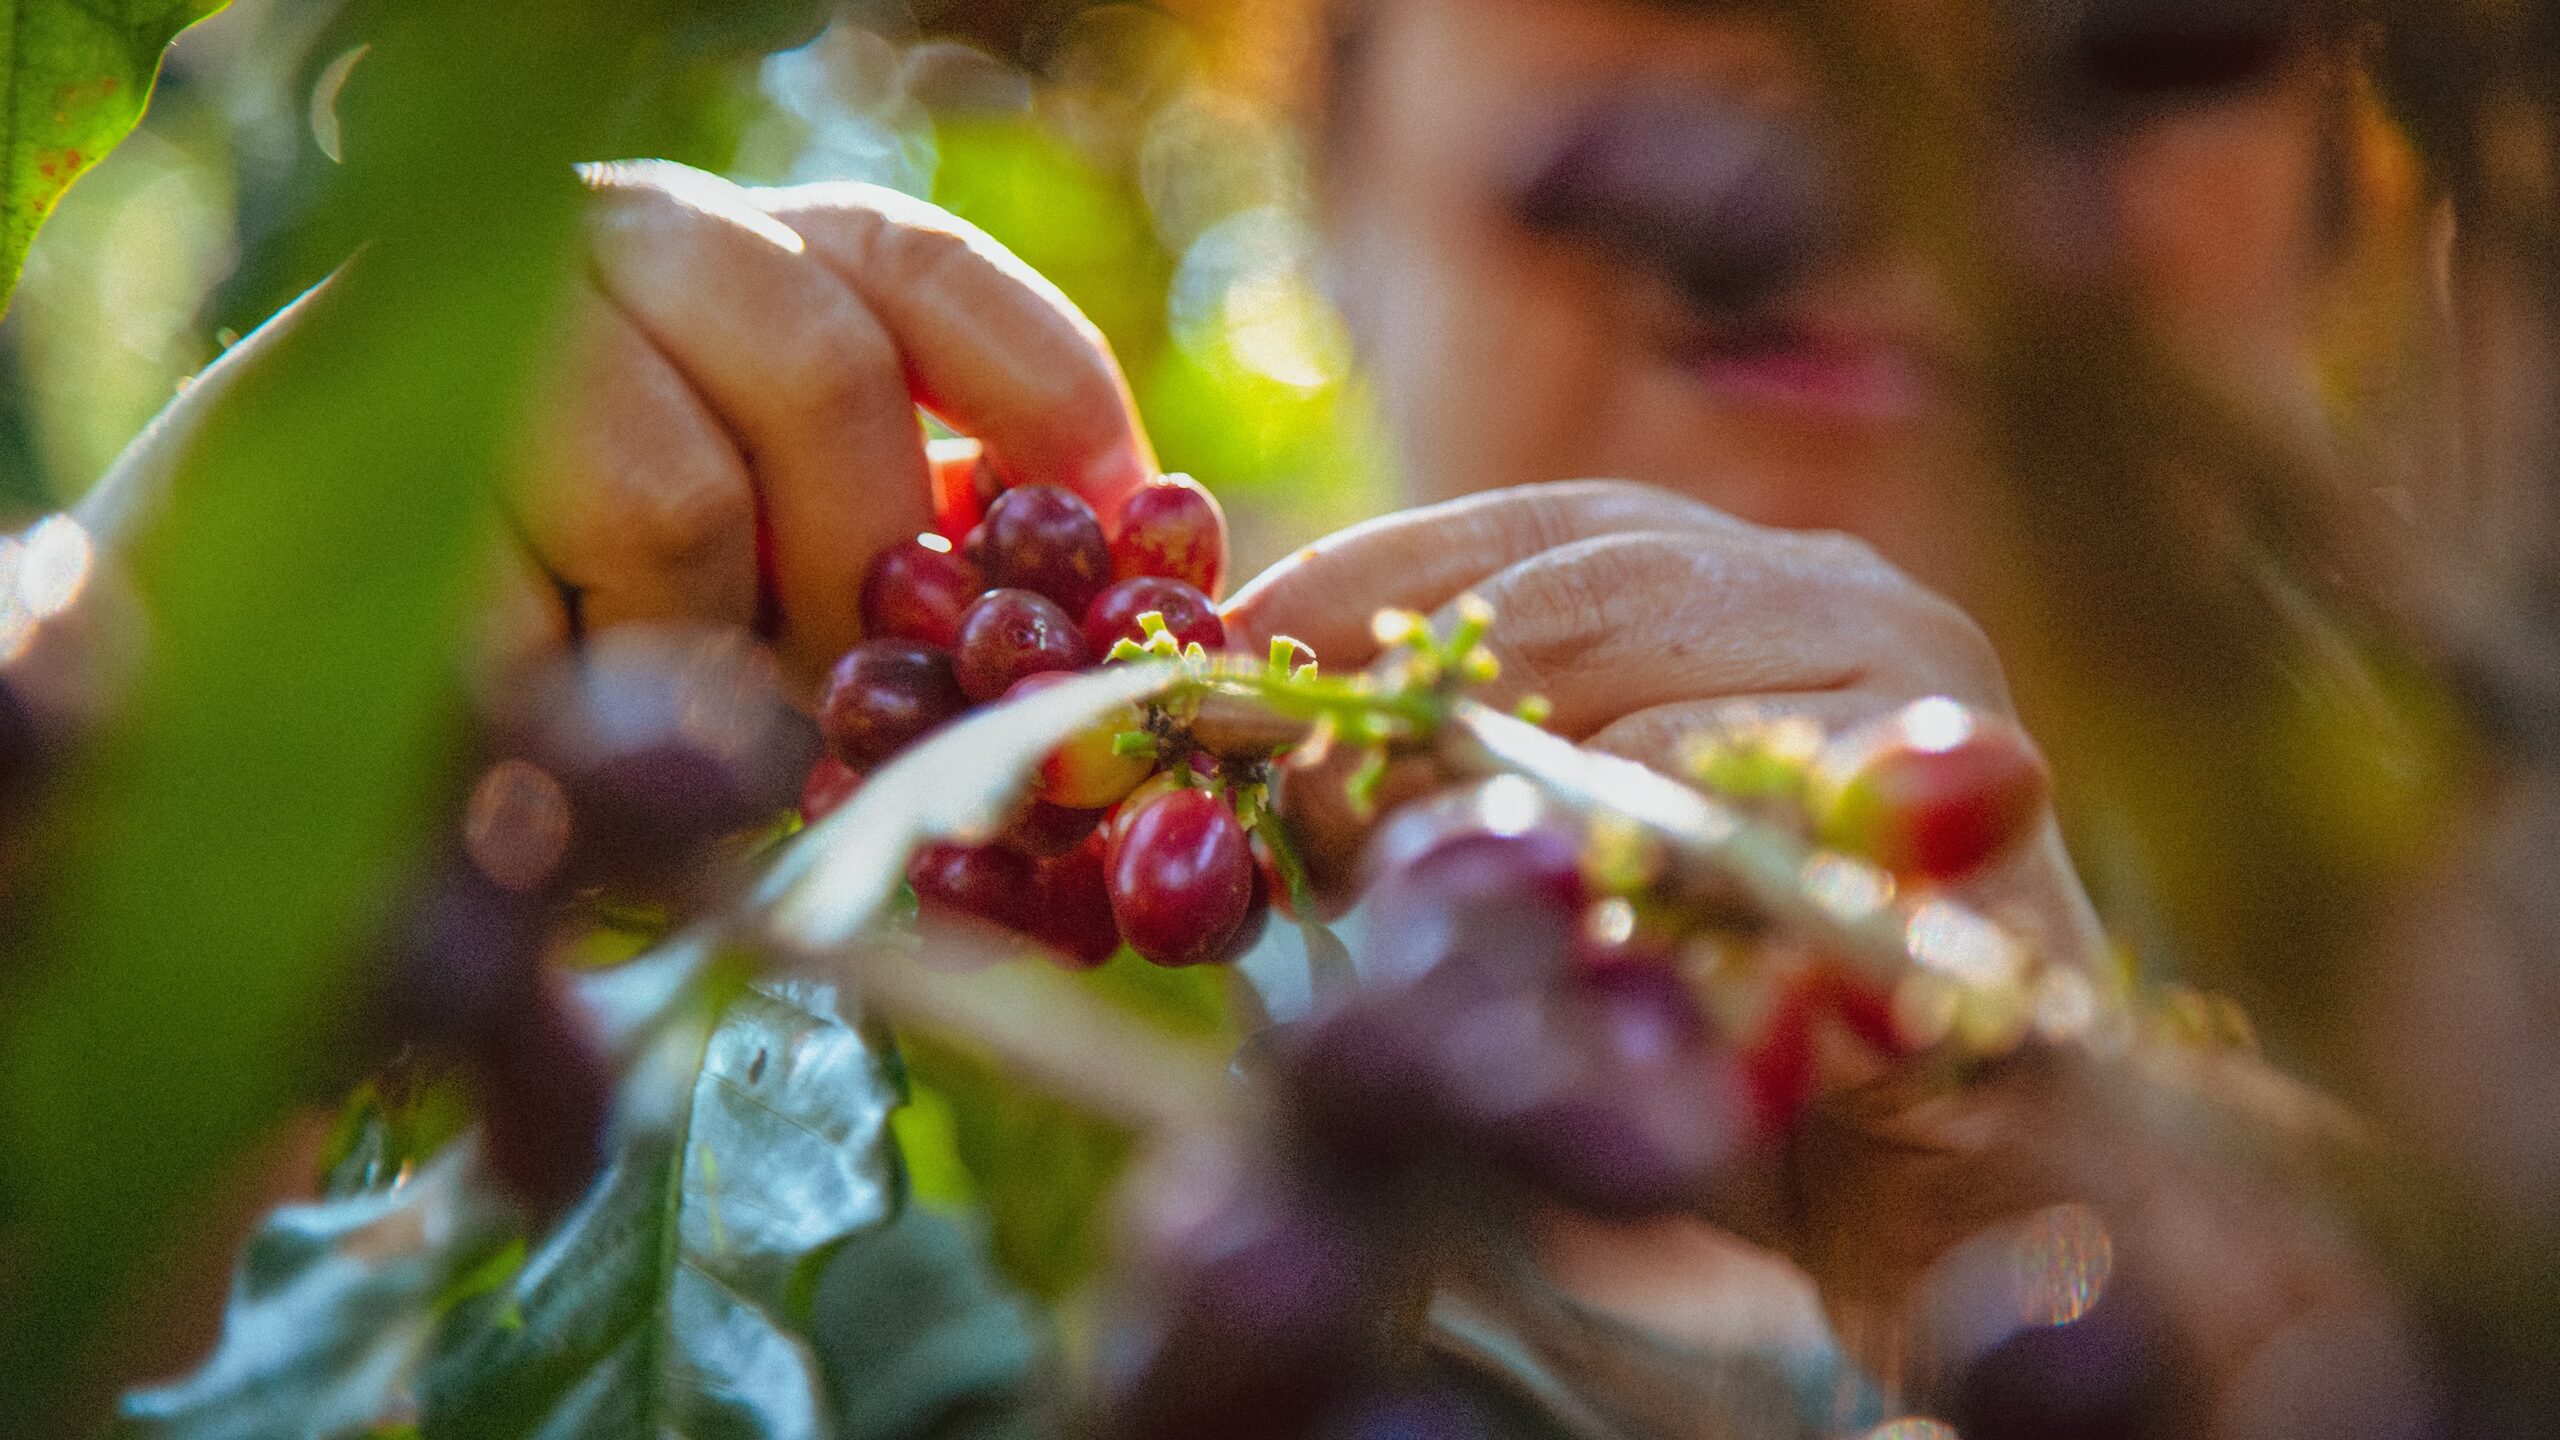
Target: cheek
[
  {"x": 2219, "y": 219},
  {"x": 1491, "y": 361}
]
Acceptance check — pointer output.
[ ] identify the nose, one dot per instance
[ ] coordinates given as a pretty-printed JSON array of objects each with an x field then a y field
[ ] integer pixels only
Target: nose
[{"x": 1728, "y": 203}]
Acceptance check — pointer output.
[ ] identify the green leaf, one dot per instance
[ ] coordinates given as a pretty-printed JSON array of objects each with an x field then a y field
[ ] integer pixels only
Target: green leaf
[
  {"x": 668, "y": 1302},
  {"x": 332, "y": 1308},
  {"x": 915, "y": 1339},
  {"x": 78, "y": 73},
  {"x": 1042, "y": 1170}
]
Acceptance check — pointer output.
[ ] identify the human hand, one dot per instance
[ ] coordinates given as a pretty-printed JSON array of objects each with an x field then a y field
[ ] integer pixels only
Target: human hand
[{"x": 738, "y": 426}]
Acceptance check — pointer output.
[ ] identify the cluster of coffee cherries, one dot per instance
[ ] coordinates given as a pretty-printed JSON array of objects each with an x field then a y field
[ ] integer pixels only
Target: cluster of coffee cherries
[
  {"x": 1537, "y": 1023},
  {"x": 1132, "y": 832}
]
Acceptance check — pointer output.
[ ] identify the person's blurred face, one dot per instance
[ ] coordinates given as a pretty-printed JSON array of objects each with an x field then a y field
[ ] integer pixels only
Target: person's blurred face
[{"x": 1507, "y": 350}]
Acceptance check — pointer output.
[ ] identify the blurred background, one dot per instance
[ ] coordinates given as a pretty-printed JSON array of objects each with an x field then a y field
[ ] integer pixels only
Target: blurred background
[{"x": 1122, "y": 151}]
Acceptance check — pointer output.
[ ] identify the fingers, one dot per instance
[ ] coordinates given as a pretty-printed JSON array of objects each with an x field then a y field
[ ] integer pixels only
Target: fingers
[
  {"x": 1422, "y": 559},
  {"x": 1609, "y": 627},
  {"x": 804, "y": 377},
  {"x": 630, "y": 494},
  {"x": 990, "y": 346}
]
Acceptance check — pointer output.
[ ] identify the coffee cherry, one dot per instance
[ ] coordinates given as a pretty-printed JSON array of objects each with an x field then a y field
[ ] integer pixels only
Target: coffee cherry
[
  {"x": 1181, "y": 878},
  {"x": 831, "y": 782},
  {"x": 1088, "y": 772},
  {"x": 2112, "y": 1374},
  {"x": 664, "y": 741},
  {"x": 885, "y": 695},
  {"x": 1047, "y": 539},
  {"x": 1256, "y": 924},
  {"x": 1041, "y": 829},
  {"x": 1511, "y": 901},
  {"x": 1116, "y": 823},
  {"x": 1362, "y": 1079},
  {"x": 1253, "y": 1319},
  {"x": 1009, "y": 635},
  {"x": 463, "y": 951},
  {"x": 1644, "y": 1108},
  {"x": 546, "y": 1095},
  {"x": 1073, "y": 912},
  {"x": 1187, "y": 613},
  {"x": 990, "y": 884},
  {"x": 1937, "y": 790},
  {"x": 1172, "y": 527},
  {"x": 916, "y": 590}
]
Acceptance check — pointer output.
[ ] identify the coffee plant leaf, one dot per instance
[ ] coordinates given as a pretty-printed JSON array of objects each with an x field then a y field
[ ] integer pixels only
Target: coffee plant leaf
[
  {"x": 672, "y": 1301},
  {"x": 78, "y": 74},
  {"x": 332, "y": 1308},
  {"x": 915, "y": 1337},
  {"x": 1040, "y": 1170}
]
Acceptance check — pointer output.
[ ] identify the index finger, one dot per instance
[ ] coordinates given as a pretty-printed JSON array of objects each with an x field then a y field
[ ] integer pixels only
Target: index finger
[
  {"x": 988, "y": 344},
  {"x": 1420, "y": 560}
]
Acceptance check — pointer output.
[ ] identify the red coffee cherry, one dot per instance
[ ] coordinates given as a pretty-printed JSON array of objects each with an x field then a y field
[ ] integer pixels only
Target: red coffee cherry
[
  {"x": 1172, "y": 527},
  {"x": 1088, "y": 772},
  {"x": 885, "y": 695},
  {"x": 1181, "y": 878},
  {"x": 1045, "y": 538},
  {"x": 1188, "y": 614},
  {"x": 917, "y": 590},
  {"x": 1937, "y": 790},
  {"x": 1008, "y": 635}
]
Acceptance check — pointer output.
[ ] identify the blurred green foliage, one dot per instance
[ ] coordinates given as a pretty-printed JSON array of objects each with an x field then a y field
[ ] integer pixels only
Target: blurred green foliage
[
  {"x": 78, "y": 74},
  {"x": 210, "y": 868}
]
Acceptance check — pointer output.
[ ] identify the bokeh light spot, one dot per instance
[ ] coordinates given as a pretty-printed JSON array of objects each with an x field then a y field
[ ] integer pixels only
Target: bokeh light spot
[
  {"x": 516, "y": 828},
  {"x": 1912, "y": 1428},
  {"x": 1850, "y": 891},
  {"x": 2061, "y": 1261},
  {"x": 1956, "y": 942},
  {"x": 1937, "y": 725},
  {"x": 53, "y": 566}
]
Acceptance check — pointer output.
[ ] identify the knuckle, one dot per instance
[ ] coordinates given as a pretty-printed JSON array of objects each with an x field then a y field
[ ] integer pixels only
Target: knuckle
[{"x": 915, "y": 251}]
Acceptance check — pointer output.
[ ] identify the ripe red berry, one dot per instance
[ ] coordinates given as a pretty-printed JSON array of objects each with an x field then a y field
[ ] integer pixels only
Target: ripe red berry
[
  {"x": 831, "y": 782},
  {"x": 1936, "y": 790},
  {"x": 1172, "y": 527},
  {"x": 1088, "y": 772},
  {"x": 916, "y": 590},
  {"x": 1074, "y": 906},
  {"x": 664, "y": 740},
  {"x": 991, "y": 884},
  {"x": 1510, "y": 902},
  {"x": 1255, "y": 1316},
  {"x": 1181, "y": 878},
  {"x": 1041, "y": 829},
  {"x": 1642, "y": 1107},
  {"x": 885, "y": 695},
  {"x": 1187, "y": 613},
  {"x": 1045, "y": 538},
  {"x": 1009, "y": 635},
  {"x": 546, "y": 1093}
]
